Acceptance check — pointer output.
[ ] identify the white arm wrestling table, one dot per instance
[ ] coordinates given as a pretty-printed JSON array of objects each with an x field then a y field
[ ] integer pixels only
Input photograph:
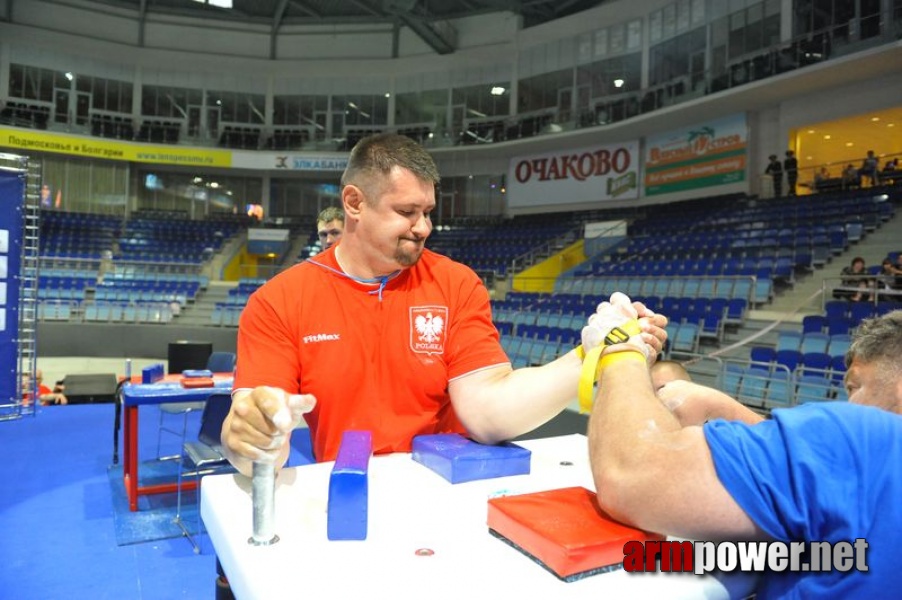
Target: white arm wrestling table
[{"x": 427, "y": 539}]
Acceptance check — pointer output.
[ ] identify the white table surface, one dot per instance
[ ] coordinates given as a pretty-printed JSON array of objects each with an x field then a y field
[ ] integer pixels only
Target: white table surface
[{"x": 411, "y": 507}]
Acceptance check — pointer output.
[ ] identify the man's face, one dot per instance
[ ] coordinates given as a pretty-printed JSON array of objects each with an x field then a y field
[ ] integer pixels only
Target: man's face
[
  {"x": 329, "y": 232},
  {"x": 872, "y": 384},
  {"x": 395, "y": 220}
]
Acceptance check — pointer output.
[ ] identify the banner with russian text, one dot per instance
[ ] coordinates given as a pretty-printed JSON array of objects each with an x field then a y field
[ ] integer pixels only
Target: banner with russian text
[
  {"x": 309, "y": 161},
  {"x": 89, "y": 147},
  {"x": 704, "y": 155},
  {"x": 578, "y": 176}
]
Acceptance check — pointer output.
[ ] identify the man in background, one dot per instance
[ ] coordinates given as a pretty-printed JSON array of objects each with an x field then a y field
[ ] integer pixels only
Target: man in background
[
  {"x": 775, "y": 170},
  {"x": 46, "y": 396},
  {"x": 791, "y": 167},
  {"x": 330, "y": 224}
]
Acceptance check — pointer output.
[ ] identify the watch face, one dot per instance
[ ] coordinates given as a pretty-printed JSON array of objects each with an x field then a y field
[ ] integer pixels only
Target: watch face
[{"x": 616, "y": 336}]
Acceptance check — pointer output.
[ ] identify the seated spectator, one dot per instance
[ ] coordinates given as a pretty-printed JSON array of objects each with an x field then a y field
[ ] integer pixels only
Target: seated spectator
[
  {"x": 856, "y": 284},
  {"x": 821, "y": 177},
  {"x": 891, "y": 173},
  {"x": 46, "y": 396},
  {"x": 821, "y": 472},
  {"x": 850, "y": 177},
  {"x": 889, "y": 278}
]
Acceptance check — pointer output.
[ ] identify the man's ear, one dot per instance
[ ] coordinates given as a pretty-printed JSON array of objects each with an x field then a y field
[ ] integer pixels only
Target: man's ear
[{"x": 352, "y": 199}]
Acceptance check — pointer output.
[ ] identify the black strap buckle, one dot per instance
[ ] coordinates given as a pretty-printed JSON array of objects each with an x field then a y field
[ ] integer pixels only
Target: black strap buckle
[{"x": 616, "y": 336}]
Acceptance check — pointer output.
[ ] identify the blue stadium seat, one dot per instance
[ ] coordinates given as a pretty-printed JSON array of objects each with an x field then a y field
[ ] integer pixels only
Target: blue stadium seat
[{"x": 813, "y": 388}]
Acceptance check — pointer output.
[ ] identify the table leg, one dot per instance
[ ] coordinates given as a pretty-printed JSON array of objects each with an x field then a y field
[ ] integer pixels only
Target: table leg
[{"x": 130, "y": 455}]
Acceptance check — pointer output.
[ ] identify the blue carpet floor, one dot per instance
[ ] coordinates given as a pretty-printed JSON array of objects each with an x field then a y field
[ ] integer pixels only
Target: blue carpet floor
[
  {"x": 155, "y": 517},
  {"x": 58, "y": 515}
]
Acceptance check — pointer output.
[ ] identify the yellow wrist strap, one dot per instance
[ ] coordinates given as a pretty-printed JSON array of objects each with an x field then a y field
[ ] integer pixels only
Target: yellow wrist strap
[{"x": 593, "y": 362}]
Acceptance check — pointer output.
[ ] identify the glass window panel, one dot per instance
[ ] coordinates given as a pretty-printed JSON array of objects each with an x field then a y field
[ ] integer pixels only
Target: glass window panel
[
  {"x": 754, "y": 13},
  {"x": 634, "y": 35},
  {"x": 771, "y": 31},
  {"x": 83, "y": 83},
  {"x": 584, "y": 48},
  {"x": 17, "y": 81},
  {"x": 617, "y": 38},
  {"x": 655, "y": 31},
  {"x": 698, "y": 11},
  {"x": 683, "y": 10},
  {"x": 601, "y": 43},
  {"x": 39, "y": 84},
  {"x": 669, "y": 26},
  {"x": 126, "y": 93}
]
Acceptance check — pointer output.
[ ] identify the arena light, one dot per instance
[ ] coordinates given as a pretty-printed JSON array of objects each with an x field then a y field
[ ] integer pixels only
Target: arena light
[
  {"x": 498, "y": 91},
  {"x": 618, "y": 83},
  {"x": 218, "y": 3}
]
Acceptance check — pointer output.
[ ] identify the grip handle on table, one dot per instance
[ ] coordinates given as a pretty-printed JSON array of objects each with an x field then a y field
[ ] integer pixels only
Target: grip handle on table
[{"x": 264, "y": 501}]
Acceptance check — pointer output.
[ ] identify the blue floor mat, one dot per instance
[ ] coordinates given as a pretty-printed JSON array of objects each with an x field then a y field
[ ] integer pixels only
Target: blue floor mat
[{"x": 154, "y": 519}]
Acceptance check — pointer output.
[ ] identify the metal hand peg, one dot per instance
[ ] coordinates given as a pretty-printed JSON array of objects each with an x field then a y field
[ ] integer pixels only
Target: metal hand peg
[{"x": 264, "y": 500}]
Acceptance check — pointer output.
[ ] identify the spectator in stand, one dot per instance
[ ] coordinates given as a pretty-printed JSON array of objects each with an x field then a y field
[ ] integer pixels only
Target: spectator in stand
[
  {"x": 856, "y": 284},
  {"x": 791, "y": 166},
  {"x": 850, "y": 177},
  {"x": 46, "y": 396},
  {"x": 890, "y": 173},
  {"x": 888, "y": 279},
  {"x": 775, "y": 170},
  {"x": 330, "y": 224},
  {"x": 821, "y": 177},
  {"x": 869, "y": 169}
]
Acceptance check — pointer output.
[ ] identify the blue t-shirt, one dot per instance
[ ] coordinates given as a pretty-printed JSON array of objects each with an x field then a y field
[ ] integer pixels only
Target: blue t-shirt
[{"x": 820, "y": 472}]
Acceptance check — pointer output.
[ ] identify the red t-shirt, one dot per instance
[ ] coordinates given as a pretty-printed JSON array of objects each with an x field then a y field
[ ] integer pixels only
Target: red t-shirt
[
  {"x": 42, "y": 391},
  {"x": 376, "y": 365}
]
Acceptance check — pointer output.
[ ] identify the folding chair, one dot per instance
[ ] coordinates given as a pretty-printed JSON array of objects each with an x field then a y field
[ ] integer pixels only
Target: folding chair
[
  {"x": 218, "y": 362},
  {"x": 204, "y": 456}
]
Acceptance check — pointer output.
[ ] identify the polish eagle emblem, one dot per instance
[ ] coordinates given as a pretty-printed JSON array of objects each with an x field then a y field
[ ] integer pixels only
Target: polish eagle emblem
[{"x": 429, "y": 327}]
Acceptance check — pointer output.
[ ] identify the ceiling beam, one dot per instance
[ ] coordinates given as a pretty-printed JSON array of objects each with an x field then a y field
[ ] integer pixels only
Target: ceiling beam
[
  {"x": 303, "y": 7},
  {"x": 142, "y": 22},
  {"x": 277, "y": 16},
  {"x": 368, "y": 7},
  {"x": 427, "y": 33},
  {"x": 561, "y": 7}
]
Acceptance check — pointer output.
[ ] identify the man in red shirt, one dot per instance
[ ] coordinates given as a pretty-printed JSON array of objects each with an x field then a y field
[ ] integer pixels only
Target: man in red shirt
[
  {"x": 46, "y": 396},
  {"x": 377, "y": 333}
]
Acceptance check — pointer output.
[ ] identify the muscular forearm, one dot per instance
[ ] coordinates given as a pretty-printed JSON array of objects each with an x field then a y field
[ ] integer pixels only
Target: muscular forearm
[
  {"x": 626, "y": 415},
  {"x": 693, "y": 404},
  {"x": 628, "y": 429},
  {"x": 504, "y": 404}
]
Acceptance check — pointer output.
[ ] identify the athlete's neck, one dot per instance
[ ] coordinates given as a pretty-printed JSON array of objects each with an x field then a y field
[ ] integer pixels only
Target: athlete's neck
[{"x": 359, "y": 270}]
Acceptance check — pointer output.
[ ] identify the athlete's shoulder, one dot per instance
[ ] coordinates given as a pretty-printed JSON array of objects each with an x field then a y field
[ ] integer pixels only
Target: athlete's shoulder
[
  {"x": 290, "y": 278},
  {"x": 440, "y": 262}
]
